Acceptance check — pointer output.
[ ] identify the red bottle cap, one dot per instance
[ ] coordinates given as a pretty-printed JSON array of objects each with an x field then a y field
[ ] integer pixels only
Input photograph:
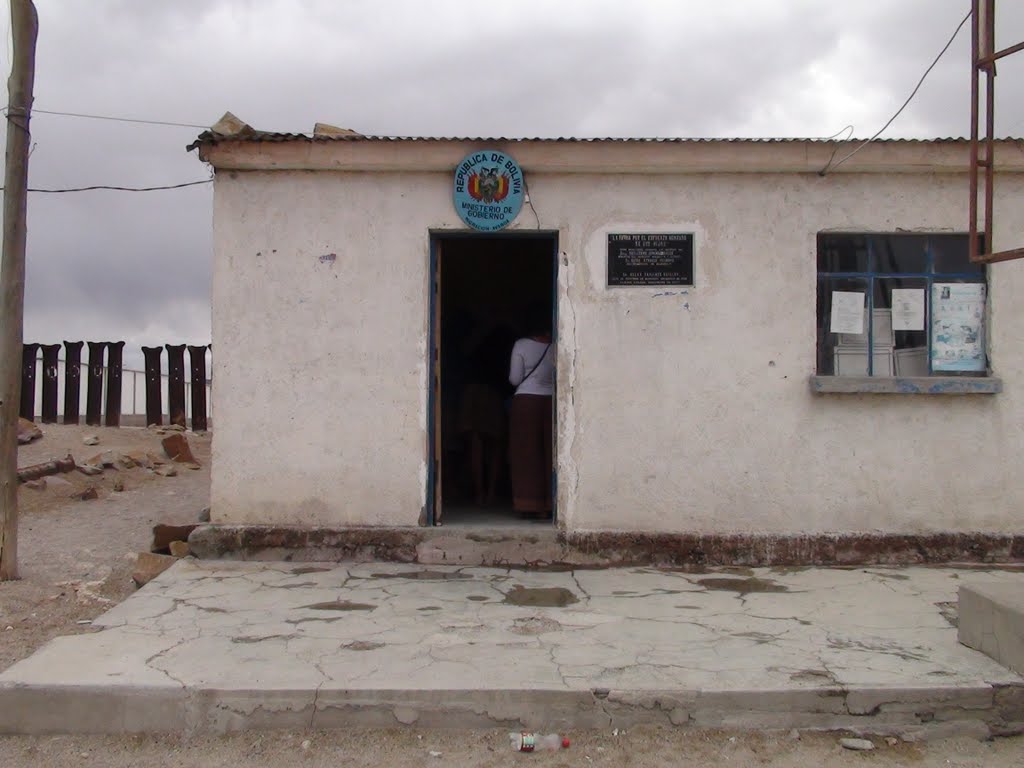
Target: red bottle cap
[{"x": 565, "y": 743}]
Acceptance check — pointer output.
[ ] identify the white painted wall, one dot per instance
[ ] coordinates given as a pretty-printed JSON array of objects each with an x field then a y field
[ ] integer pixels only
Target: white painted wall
[{"x": 672, "y": 415}]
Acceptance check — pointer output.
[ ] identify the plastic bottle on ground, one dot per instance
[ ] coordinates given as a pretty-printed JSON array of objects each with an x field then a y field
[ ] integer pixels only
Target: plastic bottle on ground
[{"x": 530, "y": 742}]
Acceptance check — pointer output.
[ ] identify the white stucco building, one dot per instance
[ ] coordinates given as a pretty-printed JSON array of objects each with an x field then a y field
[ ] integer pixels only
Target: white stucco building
[{"x": 709, "y": 404}]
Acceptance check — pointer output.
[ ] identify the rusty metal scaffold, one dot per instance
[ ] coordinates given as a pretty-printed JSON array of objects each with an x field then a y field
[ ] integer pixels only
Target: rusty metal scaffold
[{"x": 983, "y": 64}]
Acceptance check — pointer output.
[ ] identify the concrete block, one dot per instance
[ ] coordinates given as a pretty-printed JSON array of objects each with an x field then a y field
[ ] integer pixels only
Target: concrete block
[
  {"x": 627, "y": 709},
  {"x": 769, "y": 721},
  {"x": 960, "y": 729},
  {"x": 491, "y": 550},
  {"x": 48, "y": 708},
  {"x": 1009, "y": 702},
  {"x": 992, "y": 621},
  {"x": 771, "y": 709},
  {"x": 218, "y": 711},
  {"x": 814, "y": 700},
  {"x": 872, "y": 701},
  {"x": 514, "y": 709}
]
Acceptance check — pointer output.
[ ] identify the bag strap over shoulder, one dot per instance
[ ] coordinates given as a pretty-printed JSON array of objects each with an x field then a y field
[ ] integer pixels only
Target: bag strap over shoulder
[{"x": 537, "y": 364}]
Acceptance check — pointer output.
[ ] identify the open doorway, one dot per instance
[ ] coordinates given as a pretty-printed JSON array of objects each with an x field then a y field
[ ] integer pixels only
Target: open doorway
[{"x": 489, "y": 291}]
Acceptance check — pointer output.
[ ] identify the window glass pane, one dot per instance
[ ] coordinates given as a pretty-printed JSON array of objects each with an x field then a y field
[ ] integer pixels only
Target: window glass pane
[
  {"x": 842, "y": 253},
  {"x": 900, "y": 253},
  {"x": 842, "y": 354},
  {"x": 904, "y": 303},
  {"x": 952, "y": 257},
  {"x": 923, "y": 321}
]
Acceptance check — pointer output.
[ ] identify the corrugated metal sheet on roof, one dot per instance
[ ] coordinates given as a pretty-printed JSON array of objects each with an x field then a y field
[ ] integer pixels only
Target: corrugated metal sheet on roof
[{"x": 209, "y": 137}]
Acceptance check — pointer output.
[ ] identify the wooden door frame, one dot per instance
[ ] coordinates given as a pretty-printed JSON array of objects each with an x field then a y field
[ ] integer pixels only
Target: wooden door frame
[{"x": 436, "y": 237}]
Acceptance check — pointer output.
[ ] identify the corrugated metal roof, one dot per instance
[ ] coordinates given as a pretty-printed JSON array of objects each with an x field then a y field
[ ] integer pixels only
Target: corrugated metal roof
[{"x": 209, "y": 137}]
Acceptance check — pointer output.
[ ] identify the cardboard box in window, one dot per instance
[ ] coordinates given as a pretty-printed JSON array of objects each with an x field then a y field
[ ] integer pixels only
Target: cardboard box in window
[
  {"x": 912, "y": 361},
  {"x": 882, "y": 324},
  {"x": 853, "y": 361}
]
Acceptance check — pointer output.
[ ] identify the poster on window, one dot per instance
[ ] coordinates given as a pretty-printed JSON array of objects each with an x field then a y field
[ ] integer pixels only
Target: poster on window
[
  {"x": 847, "y": 312},
  {"x": 908, "y": 309},
  {"x": 958, "y": 327}
]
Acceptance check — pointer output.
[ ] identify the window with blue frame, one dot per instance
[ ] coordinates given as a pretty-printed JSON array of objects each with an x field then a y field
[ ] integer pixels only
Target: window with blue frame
[{"x": 900, "y": 305}]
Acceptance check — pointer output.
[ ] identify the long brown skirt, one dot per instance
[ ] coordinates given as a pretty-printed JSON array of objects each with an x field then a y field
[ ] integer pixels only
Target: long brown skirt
[{"x": 529, "y": 453}]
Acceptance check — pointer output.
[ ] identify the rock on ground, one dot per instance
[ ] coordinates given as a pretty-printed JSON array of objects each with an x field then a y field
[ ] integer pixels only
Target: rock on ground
[
  {"x": 179, "y": 549},
  {"x": 177, "y": 449},
  {"x": 859, "y": 745},
  {"x": 150, "y": 565},
  {"x": 28, "y": 431},
  {"x": 105, "y": 459},
  {"x": 164, "y": 534}
]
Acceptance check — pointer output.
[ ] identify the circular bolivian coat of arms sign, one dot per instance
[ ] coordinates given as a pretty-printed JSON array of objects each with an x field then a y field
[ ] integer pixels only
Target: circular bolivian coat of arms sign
[{"x": 488, "y": 190}]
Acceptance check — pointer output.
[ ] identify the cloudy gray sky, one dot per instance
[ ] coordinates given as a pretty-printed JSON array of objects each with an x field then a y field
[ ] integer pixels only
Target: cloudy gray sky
[{"x": 136, "y": 266}]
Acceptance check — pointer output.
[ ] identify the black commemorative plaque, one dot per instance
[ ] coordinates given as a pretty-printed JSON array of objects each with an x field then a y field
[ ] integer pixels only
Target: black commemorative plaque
[{"x": 653, "y": 259}]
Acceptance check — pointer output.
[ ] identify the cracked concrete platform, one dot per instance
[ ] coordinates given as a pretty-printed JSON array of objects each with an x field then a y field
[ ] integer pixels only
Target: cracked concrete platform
[{"x": 214, "y": 646}]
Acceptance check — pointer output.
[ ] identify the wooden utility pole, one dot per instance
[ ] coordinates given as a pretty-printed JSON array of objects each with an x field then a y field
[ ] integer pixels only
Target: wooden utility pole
[{"x": 24, "y": 28}]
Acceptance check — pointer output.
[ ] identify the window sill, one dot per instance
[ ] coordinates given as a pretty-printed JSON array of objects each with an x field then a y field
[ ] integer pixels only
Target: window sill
[{"x": 912, "y": 385}]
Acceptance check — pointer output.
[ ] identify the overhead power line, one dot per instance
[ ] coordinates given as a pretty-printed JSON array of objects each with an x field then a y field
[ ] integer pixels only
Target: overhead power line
[
  {"x": 114, "y": 187},
  {"x": 119, "y": 119},
  {"x": 913, "y": 93}
]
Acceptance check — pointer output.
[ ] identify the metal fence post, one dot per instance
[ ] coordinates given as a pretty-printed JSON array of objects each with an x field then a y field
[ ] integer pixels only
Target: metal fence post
[
  {"x": 197, "y": 356},
  {"x": 154, "y": 397},
  {"x": 176, "y": 384},
  {"x": 29, "y": 353},
  {"x": 51, "y": 353},
  {"x": 94, "y": 389},
  {"x": 115, "y": 354},
  {"x": 72, "y": 380}
]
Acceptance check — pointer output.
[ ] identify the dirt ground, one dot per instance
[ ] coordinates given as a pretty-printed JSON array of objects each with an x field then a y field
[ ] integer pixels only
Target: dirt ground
[
  {"x": 76, "y": 559},
  {"x": 636, "y": 748}
]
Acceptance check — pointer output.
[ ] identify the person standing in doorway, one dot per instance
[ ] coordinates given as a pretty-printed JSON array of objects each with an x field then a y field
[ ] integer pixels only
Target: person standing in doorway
[
  {"x": 482, "y": 416},
  {"x": 532, "y": 373}
]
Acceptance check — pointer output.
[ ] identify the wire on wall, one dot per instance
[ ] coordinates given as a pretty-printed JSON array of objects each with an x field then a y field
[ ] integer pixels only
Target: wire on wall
[
  {"x": 913, "y": 93},
  {"x": 529, "y": 200},
  {"x": 120, "y": 189},
  {"x": 848, "y": 130}
]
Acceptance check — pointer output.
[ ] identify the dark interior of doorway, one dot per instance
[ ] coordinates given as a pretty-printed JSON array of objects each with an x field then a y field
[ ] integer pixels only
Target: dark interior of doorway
[{"x": 489, "y": 284}]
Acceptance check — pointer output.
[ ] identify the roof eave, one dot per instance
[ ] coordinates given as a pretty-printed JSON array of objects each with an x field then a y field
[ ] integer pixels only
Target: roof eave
[{"x": 359, "y": 153}]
